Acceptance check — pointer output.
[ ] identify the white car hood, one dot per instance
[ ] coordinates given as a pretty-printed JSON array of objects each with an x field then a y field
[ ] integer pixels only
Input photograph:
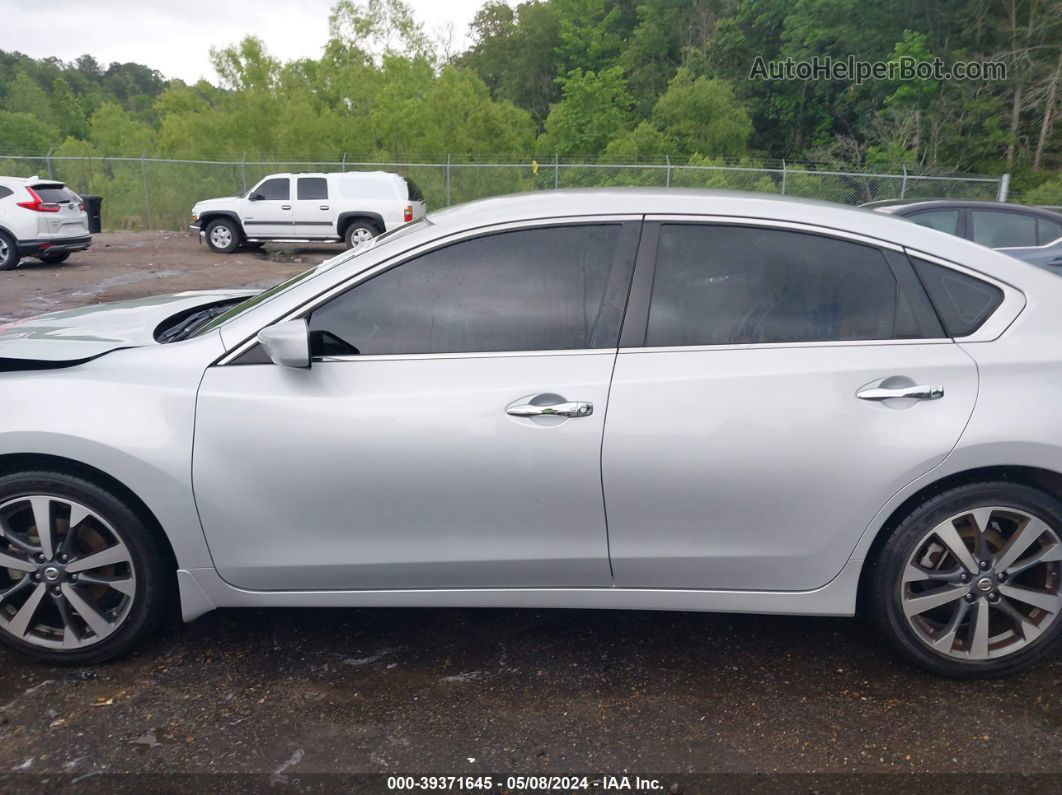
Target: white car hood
[{"x": 79, "y": 334}]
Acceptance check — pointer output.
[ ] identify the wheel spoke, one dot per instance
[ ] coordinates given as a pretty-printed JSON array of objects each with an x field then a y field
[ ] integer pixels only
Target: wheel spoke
[
  {"x": 1044, "y": 555},
  {"x": 24, "y": 582},
  {"x": 97, "y": 622},
  {"x": 1045, "y": 601},
  {"x": 108, "y": 557},
  {"x": 950, "y": 537},
  {"x": 981, "y": 517},
  {"x": 979, "y": 630},
  {"x": 1019, "y": 542},
  {"x": 42, "y": 519},
  {"x": 1028, "y": 629},
  {"x": 11, "y": 562},
  {"x": 71, "y": 638},
  {"x": 9, "y": 536},
  {"x": 78, "y": 514},
  {"x": 914, "y": 605},
  {"x": 124, "y": 585},
  {"x": 946, "y": 639},
  {"x": 20, "y": 623}
]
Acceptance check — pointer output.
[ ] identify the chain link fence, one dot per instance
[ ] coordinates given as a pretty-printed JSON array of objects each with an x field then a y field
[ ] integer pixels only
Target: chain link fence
[{"x": 152, "y": 193}]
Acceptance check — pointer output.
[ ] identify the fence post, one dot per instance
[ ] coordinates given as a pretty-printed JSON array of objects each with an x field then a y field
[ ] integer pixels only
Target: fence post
[
  {"x": 243, "y": 172},
  {"x": 48, "y": 158},
  {"x": 667, "y": 182},
  {"x": 903, "y": 185},
  {"x": 1004, "y": 187},
  {"x": 344, "y": 166},
  {"x": 449, "y": 199},
  {"x": 556, "y": 172},
  {"x": 147, "y": 197},
  {"x": 783, "y": 176}
]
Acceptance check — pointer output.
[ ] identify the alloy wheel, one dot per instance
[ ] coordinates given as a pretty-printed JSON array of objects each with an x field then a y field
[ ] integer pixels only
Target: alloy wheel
[
  {"x": 360, "y": 237},
  {"x": 983, "y": 584},
  {"x": 67, "y": 579},
  {"x": 221, "y": 236}
]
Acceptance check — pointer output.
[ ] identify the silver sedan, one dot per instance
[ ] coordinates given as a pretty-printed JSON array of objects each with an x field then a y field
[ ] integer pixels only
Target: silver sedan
[{"x": 637, "y": 399}]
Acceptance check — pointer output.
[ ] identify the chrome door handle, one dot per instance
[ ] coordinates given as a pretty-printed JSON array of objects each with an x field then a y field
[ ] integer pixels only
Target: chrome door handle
[
  {"x": 323, "y": 207},
  {"x": 285, "y": 207},
  {"x": 920, "y": 392},
  {"x": 576, "y": 408}
]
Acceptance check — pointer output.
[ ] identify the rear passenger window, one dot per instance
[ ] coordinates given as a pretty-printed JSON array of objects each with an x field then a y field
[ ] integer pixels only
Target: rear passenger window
[
  {"x": 5, "y": 192},
  {"x": 941, "y": 220},
  {"x": 963, "y": 302},
  {"x": 313, "y": 188},
  {"x": 1048, "y": 231},
  {"x": 1000, "y": 230},
  {"x": 720, "y": 285}
]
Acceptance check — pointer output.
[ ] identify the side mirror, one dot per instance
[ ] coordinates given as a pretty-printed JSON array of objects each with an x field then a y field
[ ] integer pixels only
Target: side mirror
[
  {"x": 256, "y": 197},
  {"x": 288, "y": 343}
]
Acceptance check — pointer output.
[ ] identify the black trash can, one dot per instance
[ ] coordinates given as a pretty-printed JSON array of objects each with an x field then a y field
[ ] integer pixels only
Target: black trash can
[{"x": 94, "y": 208}]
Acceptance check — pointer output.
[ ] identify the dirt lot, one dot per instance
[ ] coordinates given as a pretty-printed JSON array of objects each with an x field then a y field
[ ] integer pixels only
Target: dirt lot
[
  {"x": 132, "y": 264},
  {"x": 286, "y": 694}
]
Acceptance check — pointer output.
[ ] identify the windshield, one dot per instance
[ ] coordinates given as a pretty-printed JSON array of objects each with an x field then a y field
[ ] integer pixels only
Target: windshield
[{"x": 327, "y": 265}]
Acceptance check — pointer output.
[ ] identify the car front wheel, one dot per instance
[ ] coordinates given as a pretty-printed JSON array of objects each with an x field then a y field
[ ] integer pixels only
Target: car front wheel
[
  {"x": 82, "y": 577},
  {"x": 223, "y": 236},
  {"x": 970, "y": 583}
]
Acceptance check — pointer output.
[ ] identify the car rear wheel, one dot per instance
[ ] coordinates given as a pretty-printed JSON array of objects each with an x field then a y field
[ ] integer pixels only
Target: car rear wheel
[
  {"x": 223, "y": 236},
  {"x": 359, "y": 233},
  {"x": 82, "y": 577},
  {"x": 8, "y": 252},
  {"x": 970, "y": 583},
  {"x": 56, "y": 258}
]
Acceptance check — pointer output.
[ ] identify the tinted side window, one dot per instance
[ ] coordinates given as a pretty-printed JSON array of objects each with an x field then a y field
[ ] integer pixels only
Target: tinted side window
[
  {"x": 532, "y": 289},
  {"x": 962, "y": 301},
  {"x": 278, "y": 189},
  {"x": 5, "y": 192},
  {"x": 996, "y": 229},
  {"x": 415, "y": 193},
  {"x": 1048, "y": 231},
  {"x": 944, "y": 220},
  {"x": 719, "y": 285},
  {"x": 313, "y": 188}
]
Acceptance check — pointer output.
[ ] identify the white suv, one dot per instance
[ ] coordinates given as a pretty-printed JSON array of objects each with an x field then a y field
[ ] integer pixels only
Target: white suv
[
  {"x": 349, "y": 206},
  {"x": 40, "y": 218}
]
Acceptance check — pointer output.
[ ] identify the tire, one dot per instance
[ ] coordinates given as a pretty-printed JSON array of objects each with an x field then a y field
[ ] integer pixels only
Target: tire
[
  {"x": 132, "y": 589},
  {"x": 9, "y": 256},
  {"x": 54, "y": 259},
  {"x": 223, "y": 235},
  {"x": 358, "y": 232},
  {"x": 974, "y": 634}
]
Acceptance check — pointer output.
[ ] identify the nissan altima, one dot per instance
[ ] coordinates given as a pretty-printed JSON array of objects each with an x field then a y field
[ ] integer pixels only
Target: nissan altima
[{"x": 637, "y": 399}]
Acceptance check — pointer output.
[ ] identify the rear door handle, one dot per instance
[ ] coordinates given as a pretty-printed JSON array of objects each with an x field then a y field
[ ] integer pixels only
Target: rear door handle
[
  {"x": 919, "y": 392},
  {"x": 323, "y": 207},
  {"x": 575, "y": 408},
  {"x": 285, "y": 207}
]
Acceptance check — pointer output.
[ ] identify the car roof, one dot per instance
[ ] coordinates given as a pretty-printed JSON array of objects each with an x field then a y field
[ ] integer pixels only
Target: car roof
[
  {"x": 904, "y": 208},
  {"x": 343, "y": 174}
]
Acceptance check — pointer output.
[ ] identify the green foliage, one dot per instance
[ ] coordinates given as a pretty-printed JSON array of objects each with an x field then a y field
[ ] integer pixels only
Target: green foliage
[
  {"x": 595, "y": 108},
  {"x": 24, "y": 133},
  {"x": 700, "y": 116}
]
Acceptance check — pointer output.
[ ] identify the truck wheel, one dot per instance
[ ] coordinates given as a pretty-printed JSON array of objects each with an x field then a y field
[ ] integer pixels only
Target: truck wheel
[
  {"x": 8, "y": 252},
  {"x": 360, "y": 233},
  {"x": 223, "y": 236}
]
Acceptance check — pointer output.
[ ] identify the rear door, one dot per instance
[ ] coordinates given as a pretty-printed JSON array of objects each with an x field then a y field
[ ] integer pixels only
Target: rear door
[
  {"x": 314, "y": 215},
  {"x": 750, "y": 436},
  {"x": 267, "y": 210}
]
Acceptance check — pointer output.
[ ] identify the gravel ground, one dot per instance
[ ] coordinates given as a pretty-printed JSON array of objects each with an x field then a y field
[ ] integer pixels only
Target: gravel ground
[{"x": 287, "y": 694}]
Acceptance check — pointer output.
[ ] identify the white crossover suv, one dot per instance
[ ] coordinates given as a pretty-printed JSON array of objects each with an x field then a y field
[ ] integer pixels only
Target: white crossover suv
[
  {"x": 40, "y": 218},
  {"x": 350, "y": 206}
]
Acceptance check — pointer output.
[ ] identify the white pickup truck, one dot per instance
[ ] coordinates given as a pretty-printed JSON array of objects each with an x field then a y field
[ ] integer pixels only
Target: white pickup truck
[{"x": 349, "y": 206}]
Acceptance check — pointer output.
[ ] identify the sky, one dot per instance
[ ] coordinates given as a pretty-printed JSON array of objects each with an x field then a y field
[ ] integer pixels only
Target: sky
[{"x": 175, "y": 36}]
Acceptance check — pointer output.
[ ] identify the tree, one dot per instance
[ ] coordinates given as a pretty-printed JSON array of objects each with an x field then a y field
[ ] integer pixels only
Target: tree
[
  {"x": 595, "y": 108},
  {"x": 25, "y": 96},
  {"x": 66, "y": 110},
  {"x": 24, "y": 133},
  {"x": 700, "y": 115}
]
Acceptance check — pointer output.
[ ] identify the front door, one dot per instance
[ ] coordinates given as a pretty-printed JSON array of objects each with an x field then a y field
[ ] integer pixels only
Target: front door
[
  {"x": 267, "y": 210},
  {"x": 447, "y": 435},
  {"x": 784, "y": 388}
]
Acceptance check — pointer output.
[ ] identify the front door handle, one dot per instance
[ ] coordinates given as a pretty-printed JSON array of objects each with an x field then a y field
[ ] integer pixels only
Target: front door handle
[
  {"x": 285, "y": 207},
  {"x": 323, "y": 207},
  {"x": 575, "y": 408},
  {"x": 919, "y": 392}
]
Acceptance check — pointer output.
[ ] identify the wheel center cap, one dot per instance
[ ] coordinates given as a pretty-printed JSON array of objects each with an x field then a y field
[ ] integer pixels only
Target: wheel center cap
[
  {"x": 985, "y": 584},
  {"x": 52, "y": 574}
]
